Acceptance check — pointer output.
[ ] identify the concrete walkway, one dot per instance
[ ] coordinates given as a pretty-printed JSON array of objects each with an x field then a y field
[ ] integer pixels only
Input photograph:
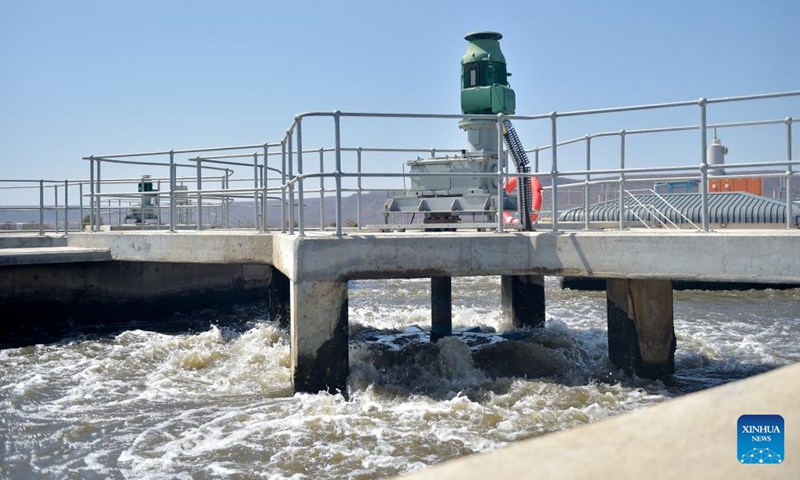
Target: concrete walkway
[{"x": 694, "y": 436}]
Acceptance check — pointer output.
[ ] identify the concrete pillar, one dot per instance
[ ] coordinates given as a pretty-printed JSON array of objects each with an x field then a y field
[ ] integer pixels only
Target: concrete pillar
[
  {"x": 641, "y": 336},
  {"x": 522, "y": 299},
  {"x": 441, "y": 308},
  {"x": 319, "y": 337},
  {"x": 279, "y": 297}
]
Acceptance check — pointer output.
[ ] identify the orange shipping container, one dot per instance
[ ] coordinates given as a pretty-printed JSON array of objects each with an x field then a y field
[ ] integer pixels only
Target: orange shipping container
[{"x": 750, "y": 185}]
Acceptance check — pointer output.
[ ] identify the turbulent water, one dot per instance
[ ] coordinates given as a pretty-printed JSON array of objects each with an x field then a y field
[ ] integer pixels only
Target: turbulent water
[{"x": 208, "y": 395}]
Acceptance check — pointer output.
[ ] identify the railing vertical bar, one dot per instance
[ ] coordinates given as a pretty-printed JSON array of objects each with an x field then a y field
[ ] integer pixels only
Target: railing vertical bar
[
  {"x": 80, "y": 205},
  {"x": 554, "y": 169},
  {"x": 703, "y": 164},
  {"x": 256, "y": 208},
  {"x": 66, "y": 207},
  {"x": 301, "y": 214},
  {"x": 789, "y": 173},
  {"x": 622, "y": 180},
  {"x": 172, "y": 185},
  {"x": 358, "y": 188},
  {"x": 41, "y": 207},
  {"x": 321, "y": 189},
  {"x": 55, "y": 204},
  {"x": 98, "y": 216},
  {"x": 500, "y": 163},
  {"x": 290, "y": 175},
  {"x": 586, "y": 199},
  {"x": 284, "y": 220},
  {"x": 199, "y": 194},
  {"x": 338, "y": 172},
  {"x": 264, "y": 209}
]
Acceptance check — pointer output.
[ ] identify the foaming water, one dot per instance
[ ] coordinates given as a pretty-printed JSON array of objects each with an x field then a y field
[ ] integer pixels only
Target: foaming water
[{"x": 214, "y": 400}]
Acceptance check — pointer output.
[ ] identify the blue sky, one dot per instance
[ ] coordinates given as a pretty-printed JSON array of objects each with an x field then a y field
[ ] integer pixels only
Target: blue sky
[{"x": 96, "y": 77}]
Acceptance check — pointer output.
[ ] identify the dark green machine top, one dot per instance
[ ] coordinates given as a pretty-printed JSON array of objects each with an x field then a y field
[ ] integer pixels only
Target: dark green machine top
[{"x": 484, "y": 79}]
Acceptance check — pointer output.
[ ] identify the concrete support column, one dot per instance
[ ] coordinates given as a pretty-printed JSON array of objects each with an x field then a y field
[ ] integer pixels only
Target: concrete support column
[
  {"x": 319, "y": 337},
  {"x": 441, "y": 308},
  {"x": 522, "y": 299},
  {"x": 641, "y": 336},
  {"x": 279, "y": 297}
]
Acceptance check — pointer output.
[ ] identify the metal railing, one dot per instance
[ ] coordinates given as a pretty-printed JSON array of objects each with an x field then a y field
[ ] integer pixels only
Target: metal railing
[{"x": 287, "y": 183}]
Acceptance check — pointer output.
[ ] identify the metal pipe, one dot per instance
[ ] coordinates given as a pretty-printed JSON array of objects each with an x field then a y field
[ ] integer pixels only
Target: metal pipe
[
  {"x": 199, "y": 195},
  {"x": 789, "y": 195},
  {"x": 172, "y": 185},
  {"x": 256, "y": 208},
  {"x": 703, "y": 164},
  {"x": 321, "y": 189},
  {"x": 226, "y": 210},
  {"x": 622, "y": 179},
  {"x": 55, "y": 204},
  {"x": 264, "y": 189},
  {"x": 536, "y": 159},
  {"x": 41, "y": 207},
  {"x": 91, "y": 194},
  {"x": 554, "y": 169},
  {"x": 338, "y": 172},
  {"x": 80, "y": 204},
  {"x": 500, "y": 163},
  {"x": 283, "y": 190},
  {"x": 358, "y": 188},
  {"x": 586, "y": 184},
  {"x": 66, "y": 207},
  {"x": 301, "y": 206},
  {"x": 290, "y": 174}
]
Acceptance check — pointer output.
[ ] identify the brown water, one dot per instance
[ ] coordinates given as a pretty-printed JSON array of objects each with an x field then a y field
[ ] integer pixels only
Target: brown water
[{"x": 215, "y": 402}]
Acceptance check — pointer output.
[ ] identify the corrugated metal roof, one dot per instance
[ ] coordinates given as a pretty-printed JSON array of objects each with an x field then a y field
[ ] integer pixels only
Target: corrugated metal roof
[{"x": 723, "y": 207}]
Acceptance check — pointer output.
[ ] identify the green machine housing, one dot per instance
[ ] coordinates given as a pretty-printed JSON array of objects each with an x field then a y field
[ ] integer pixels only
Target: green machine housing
[
  {"x": 484, "y": 78},
  {"x": 448, "y": 200}
]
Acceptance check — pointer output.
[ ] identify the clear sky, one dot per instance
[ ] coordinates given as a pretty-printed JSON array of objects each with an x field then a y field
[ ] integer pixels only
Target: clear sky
[{"x": 98, "y": 77}]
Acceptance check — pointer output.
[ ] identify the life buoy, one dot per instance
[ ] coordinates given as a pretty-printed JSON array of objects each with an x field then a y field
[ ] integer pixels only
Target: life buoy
[{"x": 536, "y": 199}]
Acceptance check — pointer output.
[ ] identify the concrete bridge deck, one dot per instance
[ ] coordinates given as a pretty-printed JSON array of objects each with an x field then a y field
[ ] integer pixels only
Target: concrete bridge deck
[{"x": 757, "y": 256}]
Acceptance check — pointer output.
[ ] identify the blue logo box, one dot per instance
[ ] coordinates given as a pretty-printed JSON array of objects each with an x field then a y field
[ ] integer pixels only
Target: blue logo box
[{"x": 760, "y": 439}]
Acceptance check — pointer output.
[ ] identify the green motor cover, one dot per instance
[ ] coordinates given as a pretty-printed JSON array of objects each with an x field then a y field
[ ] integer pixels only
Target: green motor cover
[{"x": 484, "y": 78}]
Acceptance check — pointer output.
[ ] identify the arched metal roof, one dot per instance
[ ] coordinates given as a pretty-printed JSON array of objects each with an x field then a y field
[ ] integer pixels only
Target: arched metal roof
[{"x": 723, "y": 207}]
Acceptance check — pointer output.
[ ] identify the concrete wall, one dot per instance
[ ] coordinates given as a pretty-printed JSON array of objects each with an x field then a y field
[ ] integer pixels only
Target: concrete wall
[{"x": 52, "y": 296}]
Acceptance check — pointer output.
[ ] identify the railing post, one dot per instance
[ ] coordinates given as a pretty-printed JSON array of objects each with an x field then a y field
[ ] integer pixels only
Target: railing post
[
  {"x": 99, "y": 198},
  {"x": 358, "y": 187},
  {"x": 91, "y": 194},
  {"x": 703, "y": 164},
  {"x": 338, "y": 172},
  {"x": 284, "y": 220},
  {"x": 256, "y": 208},
  {"x": 500, "y": 163},
  {"x": 536, "y": 159},
  {"x": 80, "y": 206},
  {"x": 290, "y": 175},
  {"x": 586, "y": 185},
  {"x": 172, "y": 185},
  {"x": 789, "y": 196},
  {"x": 41, "y": 207},
  {"x": 199, "y": 194},
  {"x": 622, "y": 179},
  {"x": 226, "y": 211},
  {"x": 55, "y": 204},
  {"x": 264, "y": 189},
  {"x": 554, "y": 169},
  {"x": 301, "y": 218},
  {"x": 321, "y": 189},
  {"x": 66, "y": 207}
]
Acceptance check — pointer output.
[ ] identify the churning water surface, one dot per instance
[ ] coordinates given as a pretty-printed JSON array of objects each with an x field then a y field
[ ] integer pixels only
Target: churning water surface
[{"x": 160, "y": 400}]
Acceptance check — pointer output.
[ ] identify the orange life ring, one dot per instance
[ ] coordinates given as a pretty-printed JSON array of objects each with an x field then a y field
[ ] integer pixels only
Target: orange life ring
[{"x": 536, "y": 199}]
